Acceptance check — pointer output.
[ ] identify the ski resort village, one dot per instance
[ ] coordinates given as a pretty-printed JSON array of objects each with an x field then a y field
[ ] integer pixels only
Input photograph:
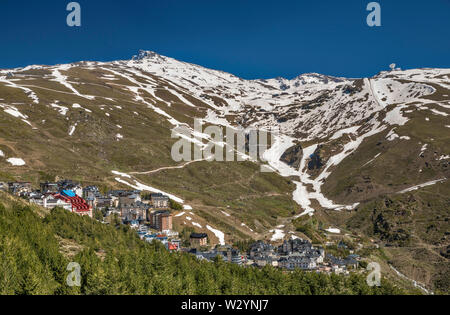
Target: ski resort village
[{"x": 151, "y": 215}]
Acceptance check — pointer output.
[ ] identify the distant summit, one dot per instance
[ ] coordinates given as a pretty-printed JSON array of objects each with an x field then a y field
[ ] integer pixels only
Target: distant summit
[
  {"x": 316, "y": 78},
  {"x": 146, "y": 54}
]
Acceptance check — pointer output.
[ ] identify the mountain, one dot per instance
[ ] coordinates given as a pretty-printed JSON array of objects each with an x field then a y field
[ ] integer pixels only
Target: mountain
[{"x": 368, "y": 156}]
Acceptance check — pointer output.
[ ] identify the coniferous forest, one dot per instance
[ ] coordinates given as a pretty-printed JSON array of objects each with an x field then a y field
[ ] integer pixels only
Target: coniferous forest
[{"x": 36, "y": 248}]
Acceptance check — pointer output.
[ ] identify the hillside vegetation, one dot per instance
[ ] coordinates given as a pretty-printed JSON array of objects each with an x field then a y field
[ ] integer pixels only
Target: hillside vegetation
[{"x": 36, "y": 247}]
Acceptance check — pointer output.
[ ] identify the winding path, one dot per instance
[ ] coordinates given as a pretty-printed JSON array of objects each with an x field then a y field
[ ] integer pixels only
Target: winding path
[{"x": 166, "y": 168}]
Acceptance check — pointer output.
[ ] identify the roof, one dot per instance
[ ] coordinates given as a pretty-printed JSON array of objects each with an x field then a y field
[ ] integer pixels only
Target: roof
[
  {"x": 69, "y": 193},
  {"x": 173, "y": 246},
  {"x": 161, "y": 212},
  {"x": 158, "y": 196},
  {"x": 198, "y": 235},
  {"x": 78, "y": 203}
]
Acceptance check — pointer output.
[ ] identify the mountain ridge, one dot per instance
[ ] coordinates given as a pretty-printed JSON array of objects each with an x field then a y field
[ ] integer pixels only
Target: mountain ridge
[{"x": 142, "y": 54}]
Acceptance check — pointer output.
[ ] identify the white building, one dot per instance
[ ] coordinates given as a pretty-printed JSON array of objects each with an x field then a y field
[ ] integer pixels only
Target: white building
[{"x": 51, "y": 202}]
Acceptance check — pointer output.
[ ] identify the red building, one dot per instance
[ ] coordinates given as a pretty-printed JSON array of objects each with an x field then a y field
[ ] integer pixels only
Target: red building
[
  {"x": 172, "y": 246},
  {"x": 79, "y": 205}
]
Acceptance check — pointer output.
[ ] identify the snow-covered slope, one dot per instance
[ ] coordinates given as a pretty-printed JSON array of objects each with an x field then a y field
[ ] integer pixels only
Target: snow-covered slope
[{"x": 307, "y": 107}]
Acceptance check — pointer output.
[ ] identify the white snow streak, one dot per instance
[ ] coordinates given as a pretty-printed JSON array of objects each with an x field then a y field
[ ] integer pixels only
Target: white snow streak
[{"x": 219, "y": 234}]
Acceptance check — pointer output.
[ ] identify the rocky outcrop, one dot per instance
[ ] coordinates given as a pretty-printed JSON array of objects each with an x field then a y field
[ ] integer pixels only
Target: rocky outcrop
[
  {"x": 315, "y": 162},
  {"x": 293, "y": 156}
]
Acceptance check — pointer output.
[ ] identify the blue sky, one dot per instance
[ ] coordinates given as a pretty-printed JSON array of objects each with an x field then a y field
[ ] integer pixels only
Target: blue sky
[{"x": 249, "y": 38}]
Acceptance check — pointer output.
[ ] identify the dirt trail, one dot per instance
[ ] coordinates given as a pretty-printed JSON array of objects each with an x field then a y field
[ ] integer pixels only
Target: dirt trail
[{"x": 166, "y": 168}]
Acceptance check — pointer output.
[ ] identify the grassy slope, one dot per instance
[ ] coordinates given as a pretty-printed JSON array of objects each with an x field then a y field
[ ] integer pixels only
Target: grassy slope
[{"x": 92, "y": 152}]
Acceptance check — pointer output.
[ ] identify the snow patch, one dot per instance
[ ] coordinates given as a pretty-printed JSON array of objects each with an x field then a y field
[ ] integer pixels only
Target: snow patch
[
  {"x": 422, "y": 185},
  {"x": 121, "y": 174},
  {"x": 62, "y": 79},
  {"x": 395, "y": 117},
  {"x": 72, "y": 129},
  {"x": 16, "y": 161},
  {"x": 423, "y": 149},
  {"x": 61, "y": 109},
  {"x": 139, "y": 186},
  {"x": 340, "y": 133},
  {"x": 13, "y": 111},
  {"x": 277, "y": 235},
  {"x": 220, "y": 235},
  {"x": 372, "y": 159}
]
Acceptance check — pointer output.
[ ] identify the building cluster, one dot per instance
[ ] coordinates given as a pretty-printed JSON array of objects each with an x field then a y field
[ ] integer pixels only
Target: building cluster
[
  {"x": 168, "y": 238},
  {"x": 292, "y": 254},
  {"x": 226, "y": 253},
  {"x": 65, "y": 194},
  {"x": 150, "y": 216},
  {"x": 297, "y": 254}
]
